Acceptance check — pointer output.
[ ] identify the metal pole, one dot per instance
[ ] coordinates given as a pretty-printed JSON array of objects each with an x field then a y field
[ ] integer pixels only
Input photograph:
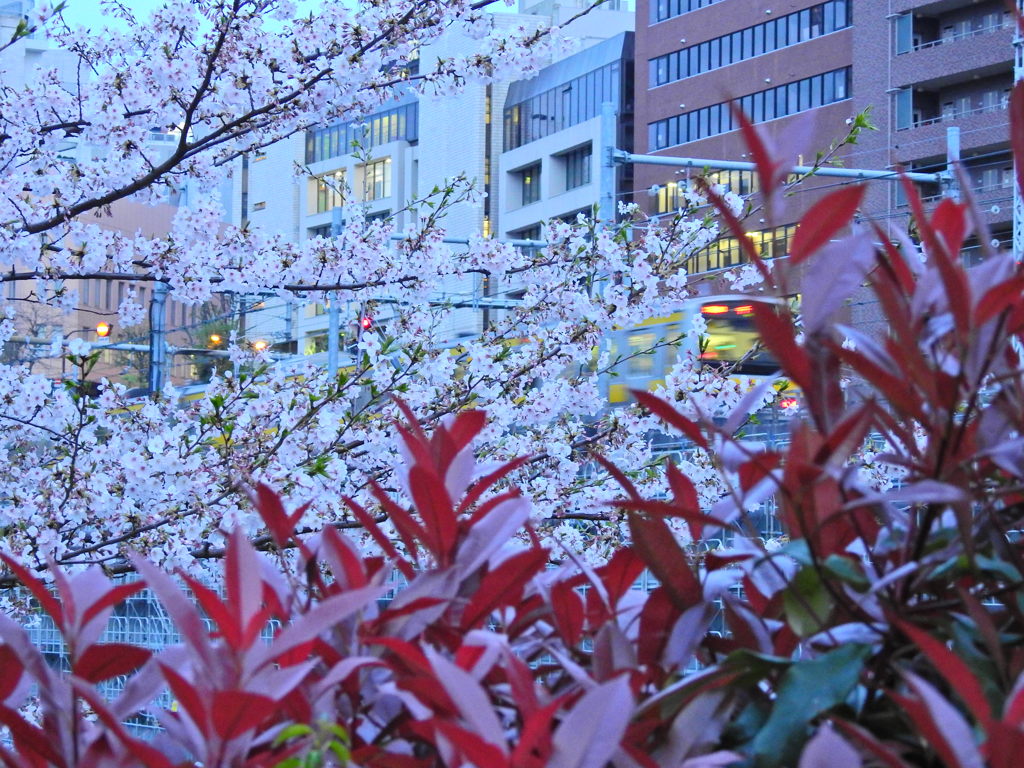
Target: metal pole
[
  {"x": 952, "y": 181},
  {"x": 333, "y": 308},
  {"x": 621, "y": 156},
  {"x": 157, "y": 337},
  {"x": 609, "y": 140},
  {"x": 1018, "y": 201}
]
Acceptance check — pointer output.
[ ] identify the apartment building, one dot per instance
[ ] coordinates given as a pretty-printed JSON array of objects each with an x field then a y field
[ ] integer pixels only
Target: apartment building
[
  {"x": 926, "y": 67},
  {"x": 799, "y": 70}
]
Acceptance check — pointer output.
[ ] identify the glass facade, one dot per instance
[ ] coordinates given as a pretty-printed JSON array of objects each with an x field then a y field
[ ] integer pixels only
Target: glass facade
[
  {"x": 769, "y": 36},
  {"x": 400, "y": 123},
  {"x": 563, "y": 106},
  {"x": 760, "y": 107},
  {"x": 668, "y": 9}
]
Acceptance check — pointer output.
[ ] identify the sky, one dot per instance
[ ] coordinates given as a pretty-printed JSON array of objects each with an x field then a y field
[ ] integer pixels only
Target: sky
[{"x": 90, "y": 12}]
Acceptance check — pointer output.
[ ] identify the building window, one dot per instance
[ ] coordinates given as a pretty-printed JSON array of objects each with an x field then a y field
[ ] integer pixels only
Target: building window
[
  {"x": 398, "y": 124},
  {"x": 728, "y": 251},
  {"x": 377, "y": 180},
  {"x": 766, "y": 37},
  {"x": 330, "y": 191},
  {"x": 321, "y": 231},
  {"x": 769, "y": 104},
  {"x": 578, "y": 166},
  {"x": 669, "y": 9},
  {"x": 529, "y": 182},
  {"x": 563, "y": 106}
]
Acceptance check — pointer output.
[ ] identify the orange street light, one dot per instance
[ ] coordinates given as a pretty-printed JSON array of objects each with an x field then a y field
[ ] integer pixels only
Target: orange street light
[
  {"x": 259, "y": 345},
  {"x": 215, "y": 339},
  {"x": 103, "y": 329}
]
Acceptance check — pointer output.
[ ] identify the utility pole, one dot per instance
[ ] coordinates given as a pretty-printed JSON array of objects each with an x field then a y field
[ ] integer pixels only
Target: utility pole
[
  {"x": 606, "y": 185},
  {"x": 1018, "y": 201},
  {"x": 333, "y": 309},
  {"x": 951, "y": 184},
  {"x": 157, "y": 337}
]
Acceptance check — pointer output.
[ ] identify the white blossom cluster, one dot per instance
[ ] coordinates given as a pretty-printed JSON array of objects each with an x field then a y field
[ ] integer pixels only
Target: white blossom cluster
[{"x": 88, "y": 477}]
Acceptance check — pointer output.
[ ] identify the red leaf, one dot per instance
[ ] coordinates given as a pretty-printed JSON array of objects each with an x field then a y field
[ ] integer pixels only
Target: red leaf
[
  {"x": 671, "y": 416},
  {"x": 620, "y": 573},
  {"x": 378, "y": 536},
  {"x": 243, "y": 584},
  {"x": 534, "y": 745},
  {"x": 657, "y": 618},
  {"x": 1017, "y": 127},
  {"x": 950, "y": 225},
  {"x": 103, "y": 661},
  {"x": 410, "y": 531},
  {"x": 114, "y": 596},
  {"x": 826, "y": 217},
  {"x": 466, "y": 426},
  {"x": 188, "y": 697},
  {"x": 683, "y": 493},
  {"x": 280, "y": 524},
  {"x": 348, "y": 567},
  {"x": 11, "y": 671},
  {"x": 998, "y": 299},
  {"x": 767, "y": 169},
  {"x": 567, "y": 607},
  {"x": 480, "y": 486},
  {"x": 35, "y": 739},
  {"x": 225, "y": 622},
  {"x": 431, "y": 499},
  {"x": 235, "y": 712},
  {"x": 954, "y": 669},
  {"x": 38, "y": 589},
  {"x": 503, "y": 585},
  {"x": 940, "y": 724},
  {"x": 777, "y": 334},
  {"x": 473, "y": 748},
  {"x": 618, "y": 474},
  {"x": 656, "y": 545}
]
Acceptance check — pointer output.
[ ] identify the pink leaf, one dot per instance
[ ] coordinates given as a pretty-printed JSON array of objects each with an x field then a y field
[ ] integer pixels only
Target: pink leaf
[
  {"x": 589, "y": 735},
  {"x": 827, "y": 749}
]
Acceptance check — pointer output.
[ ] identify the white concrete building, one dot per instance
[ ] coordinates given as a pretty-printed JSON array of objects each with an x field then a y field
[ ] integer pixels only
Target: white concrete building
[{"x": 406, "y": 149}]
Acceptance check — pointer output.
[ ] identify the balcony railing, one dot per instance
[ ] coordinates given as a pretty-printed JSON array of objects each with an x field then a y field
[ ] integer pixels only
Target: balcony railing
[
  {"x": 961, "y": 36},
  {"x": 957, "y": 114}
]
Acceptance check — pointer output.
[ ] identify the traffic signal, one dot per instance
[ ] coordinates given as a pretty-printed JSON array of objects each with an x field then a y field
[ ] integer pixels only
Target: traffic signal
[
  {"x": 103, "y": 329},
  {"x": 366, "y": 323}
]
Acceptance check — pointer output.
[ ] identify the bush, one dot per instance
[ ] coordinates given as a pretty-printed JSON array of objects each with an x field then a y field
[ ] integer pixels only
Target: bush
[{"x": 888, "y": 630}]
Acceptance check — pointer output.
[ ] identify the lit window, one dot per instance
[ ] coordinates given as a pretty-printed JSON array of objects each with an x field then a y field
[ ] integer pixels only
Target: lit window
[
  {"x": 377, "y": 181},
  {"x": 530, "y": 182},
  {"x": 330, "y": 191}
]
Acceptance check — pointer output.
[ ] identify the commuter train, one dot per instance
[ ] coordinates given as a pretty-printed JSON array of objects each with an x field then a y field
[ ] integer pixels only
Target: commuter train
[{"x": 647, "y": 351}]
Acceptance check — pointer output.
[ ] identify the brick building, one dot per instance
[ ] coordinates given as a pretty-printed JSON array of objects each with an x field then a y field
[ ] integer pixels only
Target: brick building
[{"x": 800, "y": 69}]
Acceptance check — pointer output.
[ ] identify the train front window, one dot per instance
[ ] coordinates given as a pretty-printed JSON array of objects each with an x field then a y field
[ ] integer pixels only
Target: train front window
[{"x": 641, "y": 361}]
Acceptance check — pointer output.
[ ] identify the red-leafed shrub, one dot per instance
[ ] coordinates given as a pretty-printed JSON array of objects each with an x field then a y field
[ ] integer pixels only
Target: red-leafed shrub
[{"x": 888, "y": 630}]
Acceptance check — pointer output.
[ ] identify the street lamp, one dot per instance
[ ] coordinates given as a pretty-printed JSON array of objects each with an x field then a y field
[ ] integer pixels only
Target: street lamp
[
  {"x": 215, "y": 339},
  {"x": 103, "y": 329},
  {"x": 260, "y": 344}
]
